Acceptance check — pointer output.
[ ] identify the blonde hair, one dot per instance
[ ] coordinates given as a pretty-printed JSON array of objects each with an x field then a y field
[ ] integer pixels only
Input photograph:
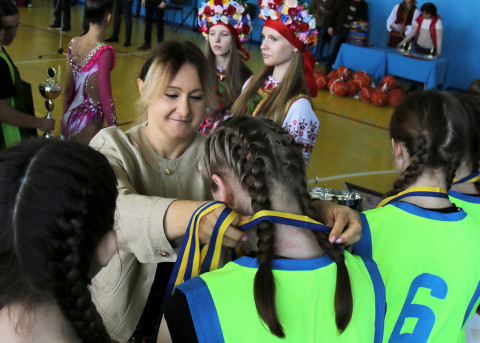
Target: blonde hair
[
  {"x": 292, "y": 84},
  {"x": 164, "y": 63}
]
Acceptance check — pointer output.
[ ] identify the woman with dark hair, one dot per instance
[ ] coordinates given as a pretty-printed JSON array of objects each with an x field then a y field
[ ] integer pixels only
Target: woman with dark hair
[
  {"x": 295, "y": 285},
  {"x": 428, "y": 32},
  {"x": 15, "y": 123},
  {"x": 226, "y": 35},
  {"x": 87, "y": 97},
  {"x": 400, "y": 20},
  {"x": 56, "y": 232},
  {"x": 425, "y": 246}
]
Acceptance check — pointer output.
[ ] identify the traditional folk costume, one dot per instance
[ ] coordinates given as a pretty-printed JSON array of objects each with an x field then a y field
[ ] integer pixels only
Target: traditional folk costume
[
  {"x": 298, "y": 26},
  {"x": 236, "y": 19},
  {"x": 428, "y": 260},
  {"x": 91, "y": 96},
  {"x": 402, "y": 19}
]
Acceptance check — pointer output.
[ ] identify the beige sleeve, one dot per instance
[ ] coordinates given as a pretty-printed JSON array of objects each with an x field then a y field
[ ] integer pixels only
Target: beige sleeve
[{"x": 138, "y": 218}]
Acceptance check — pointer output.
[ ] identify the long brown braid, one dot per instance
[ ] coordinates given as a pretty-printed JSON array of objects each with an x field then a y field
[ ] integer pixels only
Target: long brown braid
[
  {"x": 257, "y": 151},
  {"x": 432, "y": 126},
  {"x": 63, "y": 203}
]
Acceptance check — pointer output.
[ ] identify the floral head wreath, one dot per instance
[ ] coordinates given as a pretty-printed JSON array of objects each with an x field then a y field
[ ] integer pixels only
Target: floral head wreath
[
  {"x": 231, "y": 14},
  {"x": 291, "y": 18}
]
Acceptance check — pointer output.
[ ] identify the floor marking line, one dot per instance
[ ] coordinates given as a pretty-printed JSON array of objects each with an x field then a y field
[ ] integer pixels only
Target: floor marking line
[{"x": 352, "y": 119}]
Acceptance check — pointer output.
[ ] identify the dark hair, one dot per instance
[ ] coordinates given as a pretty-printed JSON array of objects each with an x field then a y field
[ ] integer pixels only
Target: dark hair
[
  {"x": 57, "y": 200},
  {"x": 258, "y": 152},
  {"x": 96, "y": 10},
  {"x": 8, "y": 8},
  {"x": 165, "y": 62},
  {"x": 471, "y": 103},
  {"x": 1, "y": 20},
  {"x": 474, "y": 88},
  {"x": 430, "y": 8},
  {"x": 432, "y": 126}
]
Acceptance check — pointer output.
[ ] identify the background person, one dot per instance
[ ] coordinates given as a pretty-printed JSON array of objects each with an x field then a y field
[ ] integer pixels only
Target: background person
[
  {"x": 16, "y": 124},
  {"x": 87, "y": 97},
  {"x": 428, "y": 32},
  {"x": 224, "y": 51},
  {"x": 400, "y": 20},
  {"x": 282, "y": 90},
  {"x": 342, "y": 15}
]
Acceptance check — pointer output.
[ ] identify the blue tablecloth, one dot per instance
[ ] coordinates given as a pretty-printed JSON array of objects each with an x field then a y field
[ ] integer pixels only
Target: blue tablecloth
[
  {"x": 380, "y": 61},
  {"x": 371, "y": 60},
  {"x": 431, "y": 72}
]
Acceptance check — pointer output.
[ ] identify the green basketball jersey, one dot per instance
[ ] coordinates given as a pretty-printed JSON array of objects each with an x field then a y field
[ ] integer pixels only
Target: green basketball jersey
[
  {"x": 223, "y": 309},
  {"x": 471, "y": 204},
  {"x": 429, "y": 262}
]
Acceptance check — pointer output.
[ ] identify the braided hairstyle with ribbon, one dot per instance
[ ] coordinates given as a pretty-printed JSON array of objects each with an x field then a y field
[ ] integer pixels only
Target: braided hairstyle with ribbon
[
  {"x": 57, "y": 202},
  {"x": 432, "y": 126},
  {"x": 259, "y": 153}
]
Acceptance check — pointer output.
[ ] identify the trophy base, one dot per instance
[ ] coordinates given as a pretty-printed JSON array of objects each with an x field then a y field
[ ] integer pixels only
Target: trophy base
[{"x": 48, "y": 135}]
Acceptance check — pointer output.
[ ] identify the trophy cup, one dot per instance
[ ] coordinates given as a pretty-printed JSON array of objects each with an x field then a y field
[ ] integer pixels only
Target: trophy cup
[
  {"x": 431, "y": 53},
  {"x": 50, "y": 89}
]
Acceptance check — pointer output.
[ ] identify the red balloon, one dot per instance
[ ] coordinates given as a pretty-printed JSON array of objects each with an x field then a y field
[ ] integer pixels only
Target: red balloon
[
  {"x": 362, "y": 79},
  {"x": 366, "y": 93},
  {"x": 379, "y": 97},
  {"x": 339, "y": 87},
  {"x": 395, "y": 96},
  {"x": 352, "y": 88},
  {"x": 321, "y": 79},
  {"x": 344, "y": 72},
  {"x": 332, "y": 75},
  {"x": 390, "y": 81}
]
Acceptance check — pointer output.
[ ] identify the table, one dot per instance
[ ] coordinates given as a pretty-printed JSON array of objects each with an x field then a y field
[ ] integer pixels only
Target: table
[
  {"x": 430, "y": 72},
  {"x": 371, "y": 60},
  {"x": 380, "y": 61}
]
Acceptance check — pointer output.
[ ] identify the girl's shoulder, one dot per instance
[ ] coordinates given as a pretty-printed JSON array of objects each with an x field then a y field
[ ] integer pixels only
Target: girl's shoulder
[{"x": 91, "y": 58}]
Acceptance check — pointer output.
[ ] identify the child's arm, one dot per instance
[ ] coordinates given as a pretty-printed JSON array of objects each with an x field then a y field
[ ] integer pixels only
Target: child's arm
[{"x": 105, "y": 65}]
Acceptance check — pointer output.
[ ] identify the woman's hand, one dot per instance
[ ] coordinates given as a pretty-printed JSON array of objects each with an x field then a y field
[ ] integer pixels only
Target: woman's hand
[
  {"x": 330, "y": 31},
  {"x": 163, "y": 4},
  {"x": 345, "y": 222},
  {"x": 47, "y": 124},
  {"x": 232, "y": 237}
]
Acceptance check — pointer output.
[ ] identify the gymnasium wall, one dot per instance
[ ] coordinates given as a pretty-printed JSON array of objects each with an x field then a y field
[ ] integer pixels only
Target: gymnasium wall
[{"x": 461, "y": 42}]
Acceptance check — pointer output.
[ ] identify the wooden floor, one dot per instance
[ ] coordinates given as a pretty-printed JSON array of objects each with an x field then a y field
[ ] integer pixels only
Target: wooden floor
[{"x": 352, "y": 145}]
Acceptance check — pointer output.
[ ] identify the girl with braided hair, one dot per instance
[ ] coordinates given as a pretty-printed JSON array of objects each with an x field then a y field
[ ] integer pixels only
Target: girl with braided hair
[
  {"x": 465, "y": 190},
  {"x": 252, "y": 164},
  {"x": 429, "y": 297},
  {"x": 226, "y": 34},
  {"x": 56, "y": 231},
  {"x": 283, "y": 89}
]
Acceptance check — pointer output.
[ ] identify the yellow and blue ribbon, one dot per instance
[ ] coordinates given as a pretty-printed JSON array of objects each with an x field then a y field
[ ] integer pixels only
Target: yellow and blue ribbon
[
  {"x": 194, "y": 258},
  {"x": 473, "y": 177},
  {"x": 435, "y": 192}
]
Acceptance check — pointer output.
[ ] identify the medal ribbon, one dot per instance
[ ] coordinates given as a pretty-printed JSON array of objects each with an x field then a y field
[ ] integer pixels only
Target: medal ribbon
[
  {"x": 473, "y": 177},
  {"x": 193, "y": 258},
  {"x": 435, "y": 192}
]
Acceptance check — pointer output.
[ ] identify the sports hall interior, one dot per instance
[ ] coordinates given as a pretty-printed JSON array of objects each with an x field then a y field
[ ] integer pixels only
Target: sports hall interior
[{"x": 353, "y": 143}]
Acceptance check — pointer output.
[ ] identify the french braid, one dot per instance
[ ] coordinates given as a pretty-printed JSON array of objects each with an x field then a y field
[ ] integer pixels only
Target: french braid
[
  {"x": 432, "y": 125},
  {"x": 257, "y": 151},
  {"x": 65, "y": 204}
]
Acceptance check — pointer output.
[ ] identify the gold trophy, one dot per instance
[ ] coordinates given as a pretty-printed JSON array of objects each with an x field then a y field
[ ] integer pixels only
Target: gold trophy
[{"x": 50, "y": 89}]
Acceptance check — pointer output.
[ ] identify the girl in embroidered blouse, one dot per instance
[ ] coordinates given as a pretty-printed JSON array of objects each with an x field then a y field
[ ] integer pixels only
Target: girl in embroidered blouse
[
  {"x": 88, "y": 91},
  {"x": 282, "y": 90},
  {"x": 225, "y": 35}
]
